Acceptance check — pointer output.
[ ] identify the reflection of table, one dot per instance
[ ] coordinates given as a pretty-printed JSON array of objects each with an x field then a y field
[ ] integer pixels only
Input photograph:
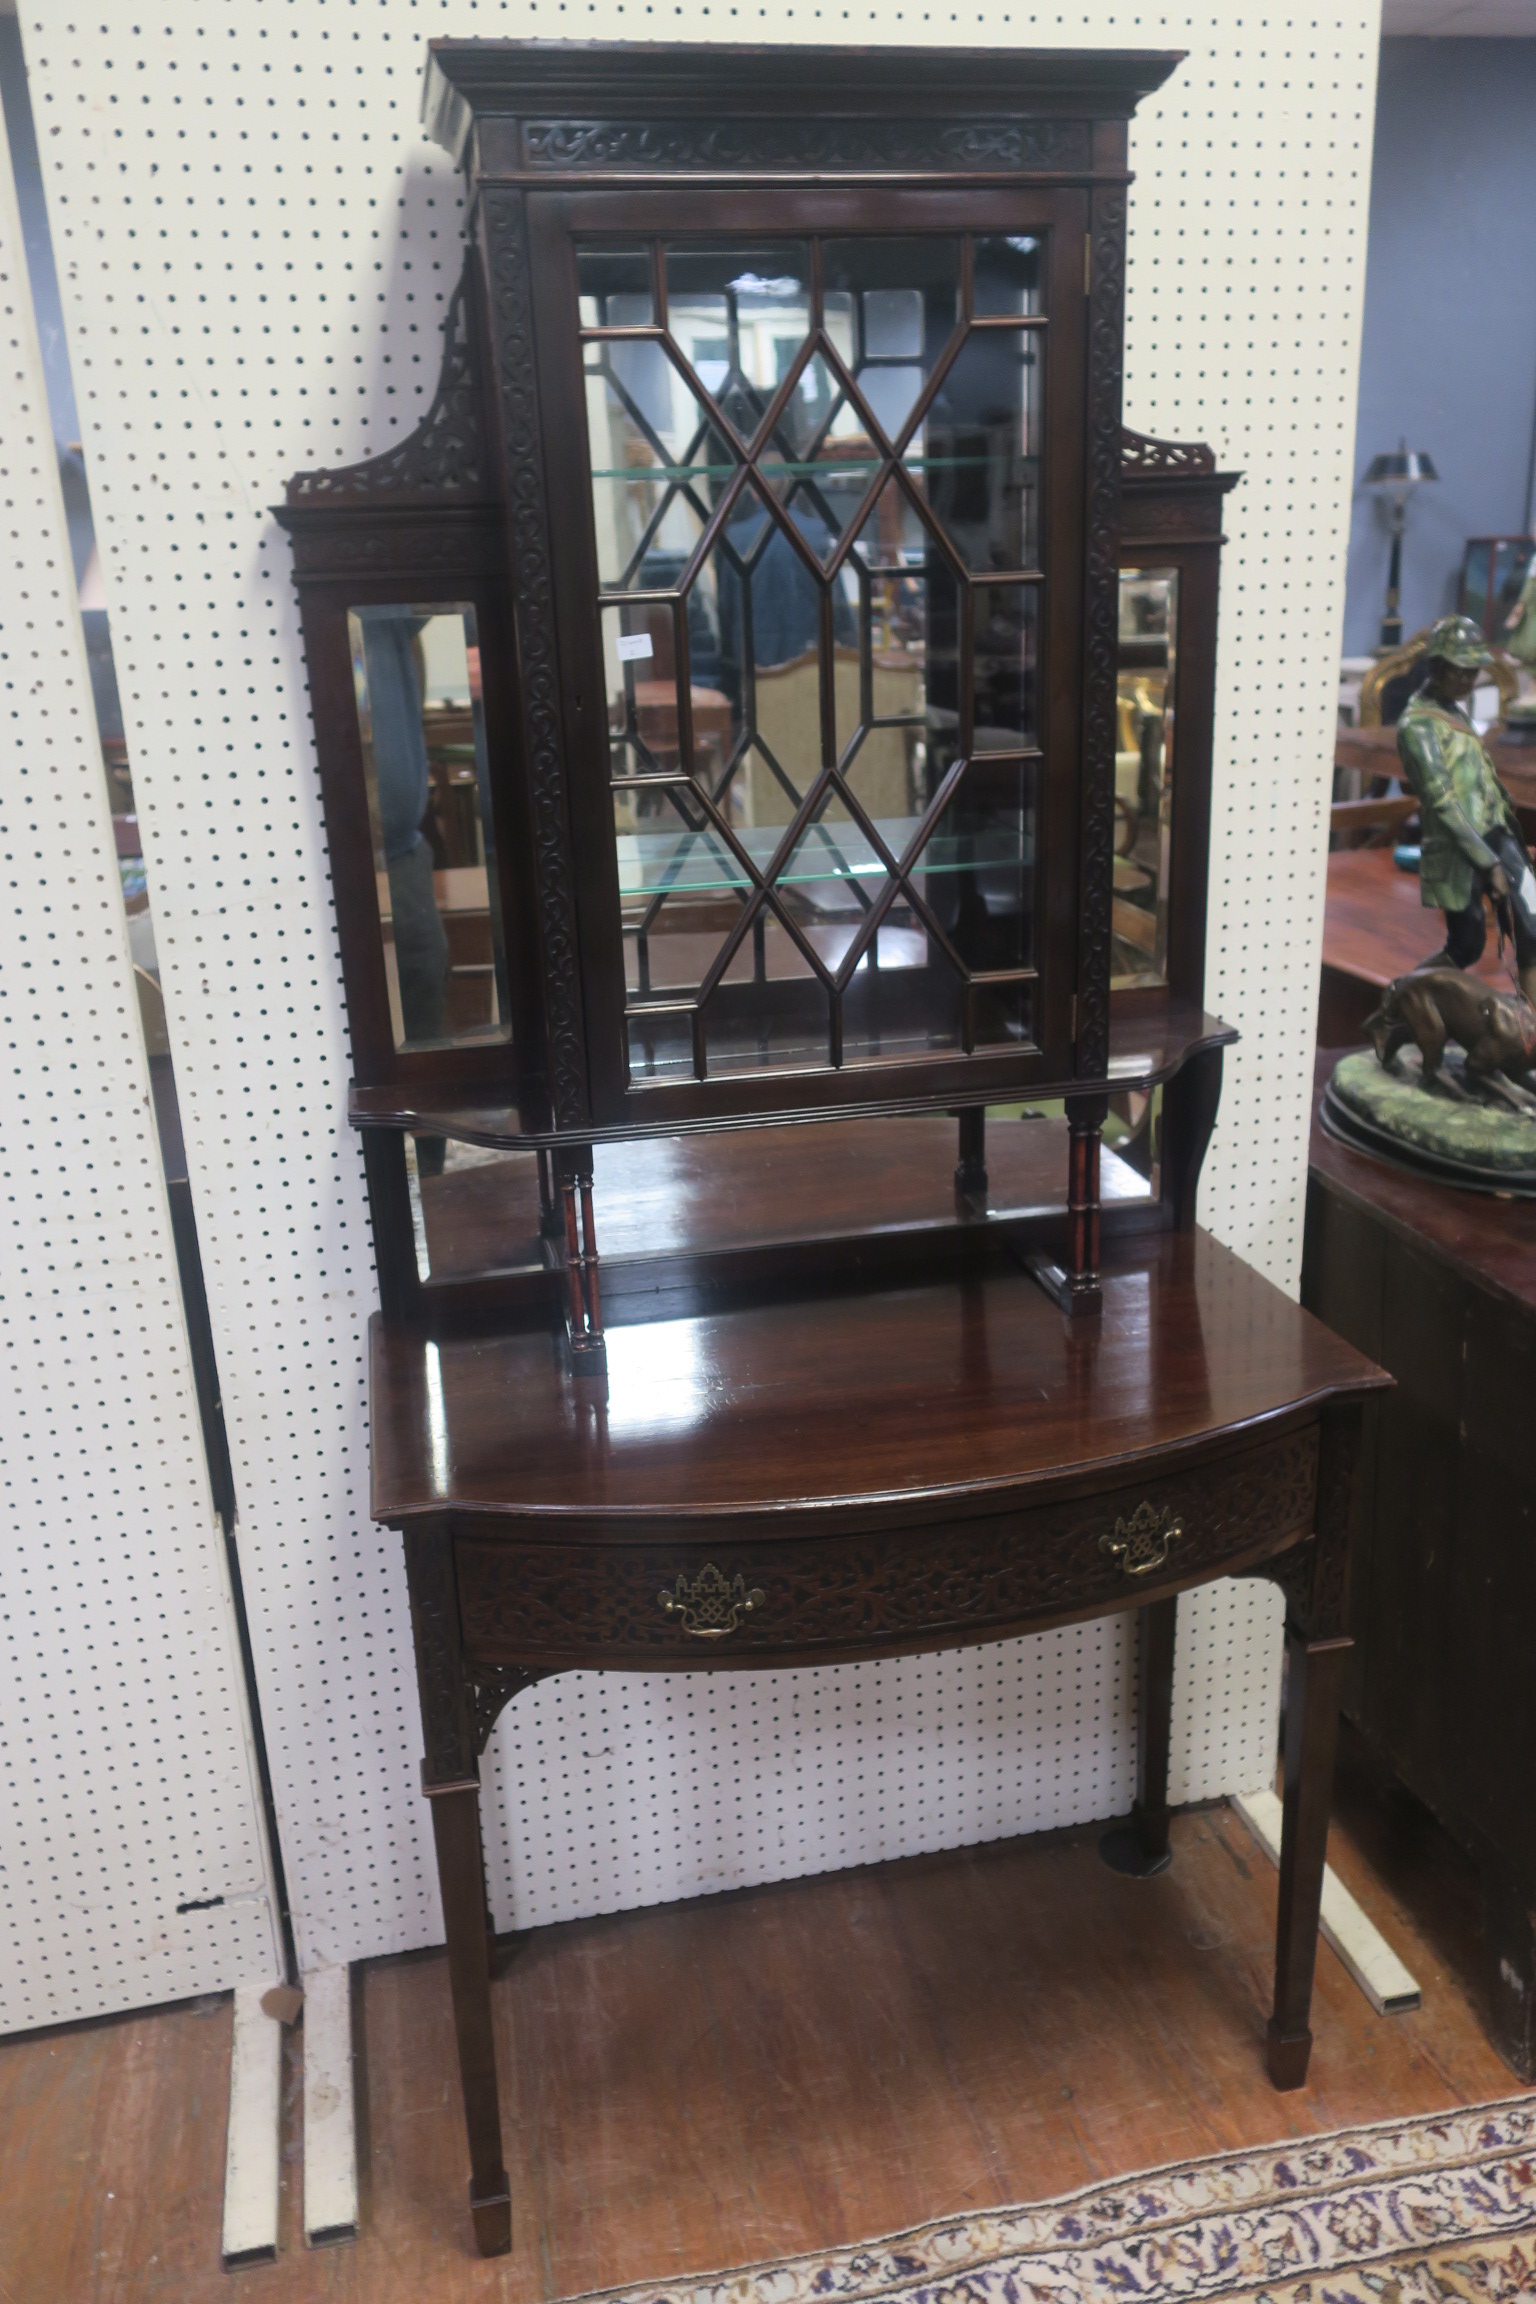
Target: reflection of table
[
  {"x": 1439, "y": 1287},
  {"x": 462, "y": 897},
  {"x": 1375, "y": 928},
  {"x": 656, "y": 718},
  {"x": 1373, "y": 752},
  {"x": 464, "y": 906}
]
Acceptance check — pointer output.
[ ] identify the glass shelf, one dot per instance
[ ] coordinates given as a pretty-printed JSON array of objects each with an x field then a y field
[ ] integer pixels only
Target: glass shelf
[
  {"x": 682, "y": 861},
  {"x": 824, "y": 467}
]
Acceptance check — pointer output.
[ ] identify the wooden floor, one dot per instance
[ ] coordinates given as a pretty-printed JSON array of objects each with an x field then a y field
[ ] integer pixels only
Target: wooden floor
[{"x": 763, "y": 2073}]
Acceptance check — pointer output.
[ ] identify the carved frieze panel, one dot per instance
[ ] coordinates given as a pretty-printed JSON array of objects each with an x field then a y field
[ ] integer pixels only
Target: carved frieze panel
[
  {"x": 527, "y": 1602},
  {"x": 793, "y": 145}
]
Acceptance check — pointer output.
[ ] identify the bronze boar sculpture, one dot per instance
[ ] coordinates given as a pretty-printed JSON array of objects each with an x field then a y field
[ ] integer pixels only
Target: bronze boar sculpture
[{"x": 1496, "y": 1033}]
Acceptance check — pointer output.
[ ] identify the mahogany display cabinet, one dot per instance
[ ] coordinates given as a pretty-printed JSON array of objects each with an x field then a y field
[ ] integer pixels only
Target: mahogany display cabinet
[{"x": 765, "y": 718}]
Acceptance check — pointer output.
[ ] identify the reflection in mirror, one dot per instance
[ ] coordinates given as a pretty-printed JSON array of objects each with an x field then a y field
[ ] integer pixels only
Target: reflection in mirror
[
  {"x": 1149, "y": 619},
  {"x": 416, "y": 672},
  {"x": 474, "y": 1210},
  {"x": 1133, "y": 1145}
]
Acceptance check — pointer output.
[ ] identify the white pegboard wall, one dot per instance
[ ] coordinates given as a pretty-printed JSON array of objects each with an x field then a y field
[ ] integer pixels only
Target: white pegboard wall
[
  {"x": 126, "y": 1781},
  {"x": 256, "y": 243},
  {"x": 691, "y": 1785}
]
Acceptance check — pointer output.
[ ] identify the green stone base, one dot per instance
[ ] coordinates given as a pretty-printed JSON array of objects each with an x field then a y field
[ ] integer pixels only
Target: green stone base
[{"x": 1477, "y": 1147}]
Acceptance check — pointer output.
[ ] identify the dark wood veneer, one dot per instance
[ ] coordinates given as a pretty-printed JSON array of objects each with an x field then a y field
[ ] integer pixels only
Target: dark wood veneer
[
  {"x": 860, "y": 1407},
  {"x": 1440, "y": 1285},
  {"x": 884, "y": 1592}
]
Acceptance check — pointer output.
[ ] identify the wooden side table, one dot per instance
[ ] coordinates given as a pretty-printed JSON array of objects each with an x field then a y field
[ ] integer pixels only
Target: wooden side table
[
  {"x": 1374, "y": 928},
  {"x": 862, "y": 1474}
]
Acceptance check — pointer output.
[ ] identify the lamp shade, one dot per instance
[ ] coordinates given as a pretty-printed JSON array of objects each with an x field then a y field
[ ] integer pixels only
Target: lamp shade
[{"x": 1401, "y": 467}]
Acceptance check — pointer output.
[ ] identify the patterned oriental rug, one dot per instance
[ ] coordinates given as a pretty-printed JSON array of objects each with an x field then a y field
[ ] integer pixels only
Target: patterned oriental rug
[{"x": 1440, "y": 2209}]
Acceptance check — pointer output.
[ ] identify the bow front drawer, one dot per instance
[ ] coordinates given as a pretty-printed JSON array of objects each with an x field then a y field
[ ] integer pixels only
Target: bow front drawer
[{"x": 722, "y": 1597}]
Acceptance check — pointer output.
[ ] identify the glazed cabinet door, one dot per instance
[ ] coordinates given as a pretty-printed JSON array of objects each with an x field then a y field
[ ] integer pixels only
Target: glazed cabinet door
[{"x": 815, "y": 462}]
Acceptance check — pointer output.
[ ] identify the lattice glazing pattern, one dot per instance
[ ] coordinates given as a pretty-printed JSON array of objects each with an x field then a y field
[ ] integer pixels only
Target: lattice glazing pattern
[
  {"x": 257, "y": 245},
  {"x": 816, "y": 499}
]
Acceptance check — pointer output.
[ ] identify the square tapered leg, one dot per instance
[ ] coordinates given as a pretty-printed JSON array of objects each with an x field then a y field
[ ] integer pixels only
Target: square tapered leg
[
  {"x": 461, "y": 1877},
  {"x": 1314, "y": 1686}
]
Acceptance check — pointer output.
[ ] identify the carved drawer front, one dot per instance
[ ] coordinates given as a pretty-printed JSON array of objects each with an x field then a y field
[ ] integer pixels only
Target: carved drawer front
[{"x": 693, "y": 1600}]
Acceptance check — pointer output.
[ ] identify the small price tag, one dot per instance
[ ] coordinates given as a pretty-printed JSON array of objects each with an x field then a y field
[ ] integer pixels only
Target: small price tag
[{"x": 634, "y": 645}]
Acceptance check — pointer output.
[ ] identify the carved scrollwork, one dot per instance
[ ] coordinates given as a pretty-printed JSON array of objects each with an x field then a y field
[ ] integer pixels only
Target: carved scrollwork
[
  {"x": 1139, "y": 452},
  {"x": 574, "y": 146},
  {"x": 599, "y": 1602},
  {"x": 443, "y": 461},
  {"x": 1106, "y": 316},
  {"x": 492, "y": 1688},
  {"x": 1294, "y": 1572},
  {"x": 507, "y": 257}
]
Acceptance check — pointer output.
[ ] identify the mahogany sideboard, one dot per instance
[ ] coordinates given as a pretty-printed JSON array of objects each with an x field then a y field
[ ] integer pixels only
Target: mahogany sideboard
[{"x": 1439, "y": 1286}]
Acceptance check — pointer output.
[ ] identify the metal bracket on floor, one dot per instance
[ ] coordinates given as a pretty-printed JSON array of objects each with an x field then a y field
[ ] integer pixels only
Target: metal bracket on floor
[{"x": 1365, "y": 1952}]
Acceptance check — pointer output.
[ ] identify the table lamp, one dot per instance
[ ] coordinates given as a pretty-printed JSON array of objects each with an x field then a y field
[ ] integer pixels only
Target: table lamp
[{"x": 1397, "y": 474}]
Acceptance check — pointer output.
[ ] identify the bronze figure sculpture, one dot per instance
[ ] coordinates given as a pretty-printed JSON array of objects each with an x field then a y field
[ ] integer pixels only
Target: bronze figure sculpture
[
  {"x": 1469, "y": 1121},
  {"x": 1471, "y": 840}
]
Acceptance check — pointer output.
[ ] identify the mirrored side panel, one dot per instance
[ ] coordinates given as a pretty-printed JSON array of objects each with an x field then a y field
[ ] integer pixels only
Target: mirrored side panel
[
  {"x": 474, "y": 1210},
  {"x": 1144, "y": 775},
  {"x": 416, "y": 677}
]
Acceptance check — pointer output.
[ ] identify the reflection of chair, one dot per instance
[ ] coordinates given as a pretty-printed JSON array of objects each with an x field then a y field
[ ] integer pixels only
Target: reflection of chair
[
  {"x": 1492, "y": 572},
  {"x": 789, "y": 720},
  {"x": 1393, "y": 678}
]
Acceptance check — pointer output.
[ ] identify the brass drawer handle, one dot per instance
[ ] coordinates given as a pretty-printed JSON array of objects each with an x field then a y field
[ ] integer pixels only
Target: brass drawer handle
[
  {"x": 708, "y": 1605},
  {"x": 1141, "y": 1543}
]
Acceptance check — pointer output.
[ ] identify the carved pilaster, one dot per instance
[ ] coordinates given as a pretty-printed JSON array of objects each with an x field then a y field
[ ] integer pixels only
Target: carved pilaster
[
  {"x": 504, "y": 240},
  {"x": 1315, "y": 1577},
  {"x": 1106, "y": 320}
]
